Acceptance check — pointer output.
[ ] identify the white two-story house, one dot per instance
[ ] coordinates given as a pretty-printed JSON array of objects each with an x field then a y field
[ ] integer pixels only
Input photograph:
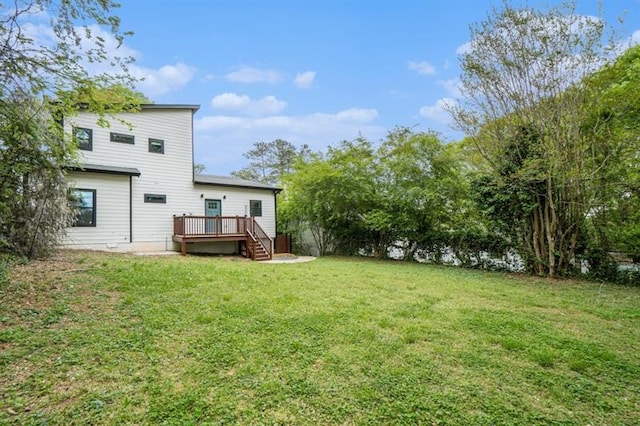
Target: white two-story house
[{"x": 136, "y": 190}]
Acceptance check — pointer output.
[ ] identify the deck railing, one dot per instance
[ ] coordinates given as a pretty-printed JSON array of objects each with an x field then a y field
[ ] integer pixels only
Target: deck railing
[{"x": 209, "y": 225}]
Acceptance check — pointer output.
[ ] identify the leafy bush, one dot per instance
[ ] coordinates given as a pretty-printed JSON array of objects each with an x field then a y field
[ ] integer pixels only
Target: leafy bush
[{"x": 602, "y": 267}]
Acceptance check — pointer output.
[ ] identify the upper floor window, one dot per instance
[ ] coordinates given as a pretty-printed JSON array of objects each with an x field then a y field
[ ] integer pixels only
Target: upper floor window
[
  {"x": 84, "y": 138},
  {"x": 156, "y": 145},
  {"x": 84, "y": 201},
  {"x": 255, "y": 207},
  {"x": 122, "y": 138}
]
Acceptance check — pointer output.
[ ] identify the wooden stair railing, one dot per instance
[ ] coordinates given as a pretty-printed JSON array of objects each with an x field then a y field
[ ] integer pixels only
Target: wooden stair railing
[{"x": 261, "y": 244}]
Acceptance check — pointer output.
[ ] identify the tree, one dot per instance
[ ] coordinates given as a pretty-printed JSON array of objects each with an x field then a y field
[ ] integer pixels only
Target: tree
[
  {"x": 423, "y": 192},
  {"x": 524, "y": 106},
  {"x": 34, "y": 64},
  {"x": 270, "y": 161},
  {"x": 330, "y": 195},
  {"x": 34, "y": 209},
  {"x": 615, "y": 221},
  {"x": 409, "y": 193},
  {"x": 303, "y": 205},
  {"x": 199, "y": 168}
]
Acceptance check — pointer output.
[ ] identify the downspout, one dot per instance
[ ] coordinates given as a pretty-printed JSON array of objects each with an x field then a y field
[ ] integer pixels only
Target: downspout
[
  {"x": 193, "y": 155},
  {"x": 130, "y": 209}
]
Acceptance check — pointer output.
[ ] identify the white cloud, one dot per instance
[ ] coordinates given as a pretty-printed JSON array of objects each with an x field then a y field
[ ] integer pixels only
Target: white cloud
[
  {"x": 218, "y": 122},
  {"x": 357, "y": 115},
  {"x": 452, "y": 87},
  {"x": 312, "y": 122},
  {"x": 254, "y": 75},
  {"x": 463, "y": 49},
  {"x": 152, "y": 81},
  {"x": 112, "y": 46},
  {"x": 268, "y": 105},
  {"x": 165, "y": 79},
  {"x": 304, "y": 80},
  {"x": 438, "y": 112},
  {"x": 422, "y": 67},
  {"x": 230, "y": 101},
  {"x": 41, "y": 34},
  {"x": 626, "y": 43},
  {"x": 221, "y": 139}
]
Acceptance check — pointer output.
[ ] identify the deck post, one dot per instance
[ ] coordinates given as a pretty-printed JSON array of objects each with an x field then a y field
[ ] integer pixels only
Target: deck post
[{"x": 183, "y": 247}]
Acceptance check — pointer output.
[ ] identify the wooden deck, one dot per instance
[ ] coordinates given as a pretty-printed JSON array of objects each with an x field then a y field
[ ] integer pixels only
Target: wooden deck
[{"x": 254, "y": 242}]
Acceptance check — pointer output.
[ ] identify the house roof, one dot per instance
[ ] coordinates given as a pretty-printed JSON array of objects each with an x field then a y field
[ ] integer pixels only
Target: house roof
[
  {"x": 193, "y": 108},
  {"x": 232, "y": 181},
  {"x": 113, "y": 170}
]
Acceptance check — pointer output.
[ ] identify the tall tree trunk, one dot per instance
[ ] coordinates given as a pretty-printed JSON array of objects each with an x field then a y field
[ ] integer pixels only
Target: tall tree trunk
[{"x": 551, "y": 224}]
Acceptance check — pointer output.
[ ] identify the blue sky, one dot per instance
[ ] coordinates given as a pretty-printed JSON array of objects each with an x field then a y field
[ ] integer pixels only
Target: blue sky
[{"x": 313, "y": 72}]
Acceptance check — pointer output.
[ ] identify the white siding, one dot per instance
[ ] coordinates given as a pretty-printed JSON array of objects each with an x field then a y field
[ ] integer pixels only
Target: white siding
[
  {"x": 235, "y": 202},
  {"x": 168, "y": 174},
  {"x": 112, "y": 213}
]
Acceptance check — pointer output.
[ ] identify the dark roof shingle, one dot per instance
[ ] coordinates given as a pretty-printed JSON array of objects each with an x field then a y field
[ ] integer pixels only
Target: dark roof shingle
[{"x": 232, "y": 181}]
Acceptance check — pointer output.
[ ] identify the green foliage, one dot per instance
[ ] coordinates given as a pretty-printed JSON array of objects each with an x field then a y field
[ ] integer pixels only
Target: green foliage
[
  {"x": 526, "y": 107},
  {"x": 410, "y": 194},
  {"x": 329, "y": 194},
  {"x": 199, "y": 169},
  {"x": 34, "y": 209},
  {"x": 615, "y": 224},
  {"x": 101, "y": 97},
  {"x": 34, "y": 65}
]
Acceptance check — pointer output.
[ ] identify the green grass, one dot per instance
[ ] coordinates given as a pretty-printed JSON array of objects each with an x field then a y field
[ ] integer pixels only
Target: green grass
[{"x": 113, "y": 339}]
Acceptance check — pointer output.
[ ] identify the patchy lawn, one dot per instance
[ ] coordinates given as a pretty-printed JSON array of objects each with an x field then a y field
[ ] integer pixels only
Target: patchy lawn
[{"x": 101, "y": 338}]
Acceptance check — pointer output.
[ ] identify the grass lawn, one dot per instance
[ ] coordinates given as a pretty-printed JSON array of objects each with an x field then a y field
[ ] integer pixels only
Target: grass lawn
[{"x": 92, "y": 338}]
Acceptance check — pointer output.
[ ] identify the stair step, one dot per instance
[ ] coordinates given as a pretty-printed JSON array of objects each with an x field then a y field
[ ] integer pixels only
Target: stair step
[{"x": 260, "y": 252}]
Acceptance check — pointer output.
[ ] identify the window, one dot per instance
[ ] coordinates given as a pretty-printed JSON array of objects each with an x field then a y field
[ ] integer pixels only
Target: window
[
  {"x": 122, "y": 138},
  {"x": 85, "y": 203},
  {"x": 255, "y": 207},
  {"x": 156, "y": 145},
  {"x": 84, "y": 138},
  {"x": 155, "y": 198}
]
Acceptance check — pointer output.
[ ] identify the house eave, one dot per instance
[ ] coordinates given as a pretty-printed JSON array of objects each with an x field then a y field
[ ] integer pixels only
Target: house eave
[
  {"x": 135, "y": 108},
  {"x": 111, "y": 170}
]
